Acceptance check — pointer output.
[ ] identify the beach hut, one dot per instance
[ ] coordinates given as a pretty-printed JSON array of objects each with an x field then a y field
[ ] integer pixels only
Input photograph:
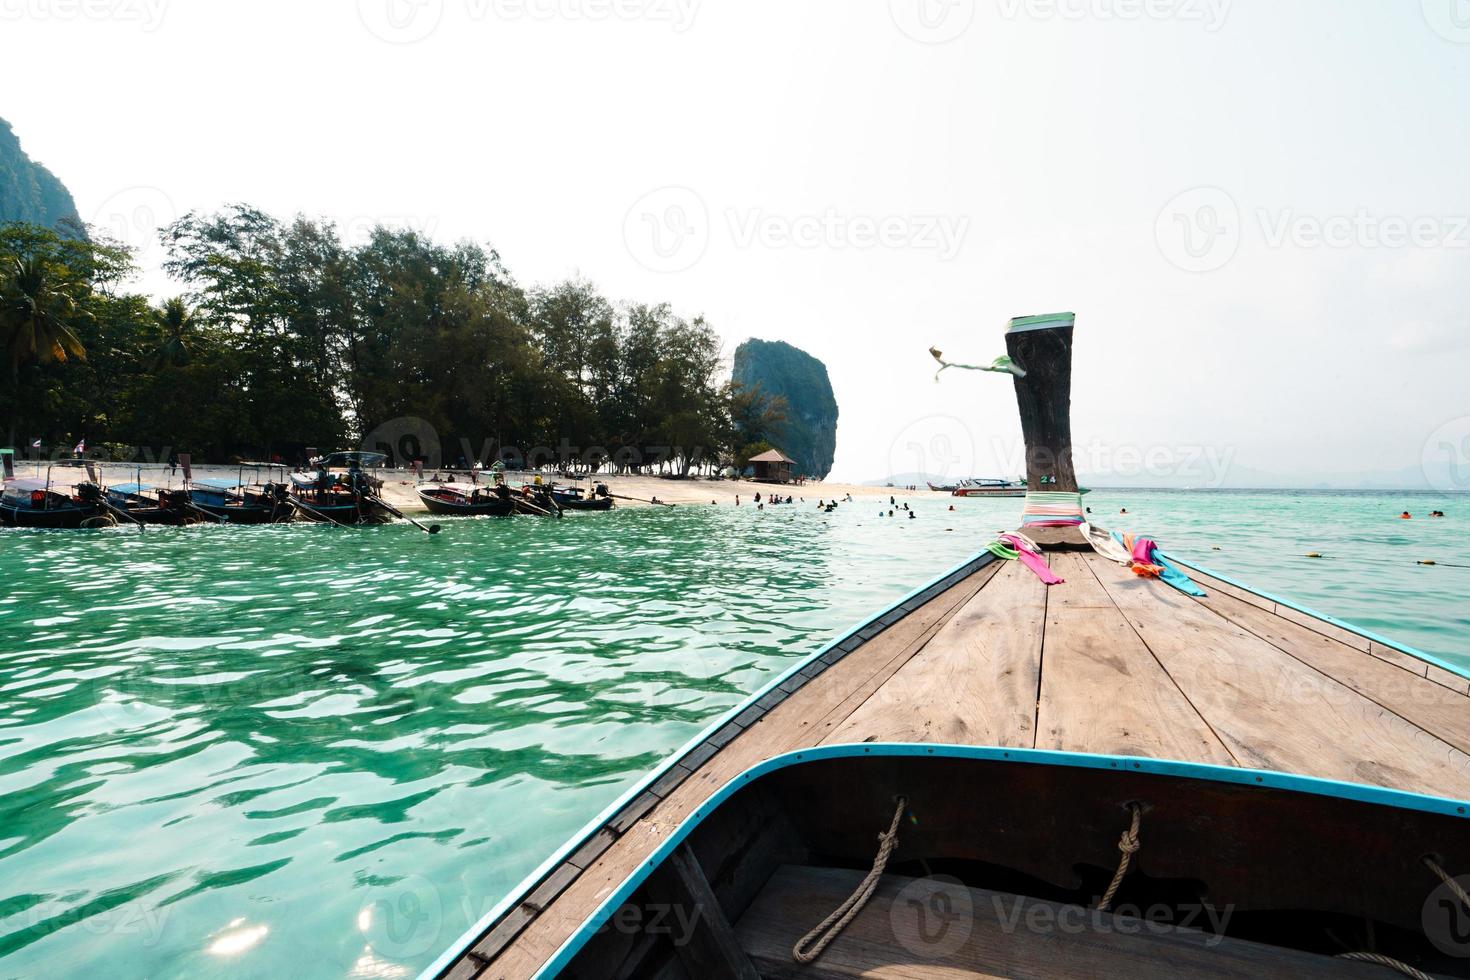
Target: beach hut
[{"x": 772, "y": 467}]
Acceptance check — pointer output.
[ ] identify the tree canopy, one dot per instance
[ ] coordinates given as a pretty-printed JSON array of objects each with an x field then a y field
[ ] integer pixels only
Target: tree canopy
[{"x": 286, "y": 337}]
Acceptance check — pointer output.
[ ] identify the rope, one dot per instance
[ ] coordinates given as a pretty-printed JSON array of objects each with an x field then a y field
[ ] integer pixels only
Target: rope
[
  {"x": 1387, "y": 961},
  {"x": 1128, "y": 846},
  {"x": 1449, "y": 882},
  {"x": 821, "y": 937},
  {"x": 1398, "y": 965}
]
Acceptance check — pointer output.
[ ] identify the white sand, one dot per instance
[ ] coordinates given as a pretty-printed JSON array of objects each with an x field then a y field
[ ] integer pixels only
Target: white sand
[{"x": 398, "y": 486}]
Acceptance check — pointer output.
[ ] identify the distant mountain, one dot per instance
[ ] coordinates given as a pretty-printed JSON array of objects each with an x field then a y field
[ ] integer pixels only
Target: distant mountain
[
  {"x": 28, "y": 191},
  {"x": 810, "y": 433}
]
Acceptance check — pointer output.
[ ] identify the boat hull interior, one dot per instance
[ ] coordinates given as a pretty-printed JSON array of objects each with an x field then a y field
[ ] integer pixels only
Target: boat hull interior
[{"x": 1230, "y": 875}]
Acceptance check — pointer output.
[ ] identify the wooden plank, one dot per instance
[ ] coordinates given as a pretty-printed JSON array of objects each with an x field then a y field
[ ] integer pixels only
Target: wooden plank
[
  {"x": 975, "y": 682},
  {"x": 1274, "y": 712},
  {"x": 710, "y": 949},
  {"x": 1102, "y": 691},
  {"x": 1446, "y": 679},
  {"x": 1399, "y": 659},
  {"x": 1435, "y": 709},
  {"x": 1326, "y": 629},
  {"x": 803, "y": 719},
  {"x": 1212, "y": 584},
  {"x": 931, "y": 929}
]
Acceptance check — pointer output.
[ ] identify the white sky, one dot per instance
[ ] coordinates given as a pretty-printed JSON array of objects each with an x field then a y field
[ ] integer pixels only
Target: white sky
[{"x": 1020, "y": 156}]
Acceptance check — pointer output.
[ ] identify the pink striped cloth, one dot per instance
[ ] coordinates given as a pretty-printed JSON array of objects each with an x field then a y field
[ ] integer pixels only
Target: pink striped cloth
[{"x": 1031, "y": 559}]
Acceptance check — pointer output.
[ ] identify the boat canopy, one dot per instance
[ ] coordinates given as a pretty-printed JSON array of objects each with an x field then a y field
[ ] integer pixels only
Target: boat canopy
[
  {"x": 24, "y": 486},
  {"x": 304, "y": 479},
  {"x": 129, "y": 488},
  {"x": 216, "y": 484}
]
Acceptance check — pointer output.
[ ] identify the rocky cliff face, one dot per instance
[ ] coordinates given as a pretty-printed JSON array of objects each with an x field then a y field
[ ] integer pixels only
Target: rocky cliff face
[
  {"x": 810, "y": 433},
  {"x": 28, "y": 191}
]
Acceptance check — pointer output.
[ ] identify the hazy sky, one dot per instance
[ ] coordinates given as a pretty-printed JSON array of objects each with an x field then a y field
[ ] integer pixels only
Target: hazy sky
[{"x": 1258, "y": 209}]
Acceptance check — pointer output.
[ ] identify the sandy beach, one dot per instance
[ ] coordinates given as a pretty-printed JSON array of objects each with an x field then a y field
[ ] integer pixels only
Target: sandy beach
[{"x": 398, "y": 485}]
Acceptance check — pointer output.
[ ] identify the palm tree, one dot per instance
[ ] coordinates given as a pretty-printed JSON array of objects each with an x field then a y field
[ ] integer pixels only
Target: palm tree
[
  {"x": 179, "y": 331},
  {"x": 35, "y": 312}
]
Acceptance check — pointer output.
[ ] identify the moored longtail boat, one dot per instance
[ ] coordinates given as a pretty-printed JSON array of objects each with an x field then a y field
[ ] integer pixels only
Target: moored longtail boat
[
  {"x": 46, "y": 503},
  {"x": 147, "y": 504},
  {"x": 467, "y": 500},
  {"x": 578, "y": 498},
  {"x": 58, "y": 500},
  {"x": 1053, "y": 765},
  {"x": 263, "y": 500},
  {"x": 342, "y": 491}
]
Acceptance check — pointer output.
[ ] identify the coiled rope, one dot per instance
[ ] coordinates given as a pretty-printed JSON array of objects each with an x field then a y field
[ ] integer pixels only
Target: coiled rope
[
  {"x": 829, "y": 929},
  {"x": 1128, "y": 846}
]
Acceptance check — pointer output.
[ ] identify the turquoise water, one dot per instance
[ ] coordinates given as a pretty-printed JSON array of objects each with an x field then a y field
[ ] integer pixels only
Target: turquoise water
[{"x": 298, "y": 751}]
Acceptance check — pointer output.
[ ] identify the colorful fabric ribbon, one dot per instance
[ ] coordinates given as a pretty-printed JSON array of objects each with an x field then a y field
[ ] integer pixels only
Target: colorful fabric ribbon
[
  {"x": 1150, "y": 563},
  {"x": 1013, "y": 547},
  {"x": 1051, "y": 508}
]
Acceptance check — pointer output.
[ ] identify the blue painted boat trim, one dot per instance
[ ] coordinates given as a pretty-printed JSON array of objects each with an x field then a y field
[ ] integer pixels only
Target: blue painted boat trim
[
  {"x": 1428, "y": 658},
  {"x": 518, "y": 894},
  {"x": 1046, "y": 757}
]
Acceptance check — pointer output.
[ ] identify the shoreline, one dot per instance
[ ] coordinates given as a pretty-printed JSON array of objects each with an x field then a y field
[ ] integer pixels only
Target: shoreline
[{"x": 399, "y": 485}]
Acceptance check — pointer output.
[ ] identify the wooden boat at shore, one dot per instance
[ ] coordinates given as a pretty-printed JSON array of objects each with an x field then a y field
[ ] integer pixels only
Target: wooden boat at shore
[
  {"x": 1105, "y": 776},
  {"x": 55, "y": 502},
  {"x": 240, "y": 501},
  {"x": 146, "y": 504},
  {"x": 342, "y": 491},
  {"x": 578, "y": 498},
  {"x": 467, "y": 500}
]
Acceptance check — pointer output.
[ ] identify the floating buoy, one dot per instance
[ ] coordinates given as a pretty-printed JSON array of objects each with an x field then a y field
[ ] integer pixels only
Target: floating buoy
[
  {"x": 1314, "y": 554},
  {"x": 1214, "y": 547},
  {"x": 1427, "y": 562}
]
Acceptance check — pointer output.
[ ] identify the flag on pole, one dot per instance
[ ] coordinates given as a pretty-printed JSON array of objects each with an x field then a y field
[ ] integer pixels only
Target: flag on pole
[{"x": 80, "y": 448}]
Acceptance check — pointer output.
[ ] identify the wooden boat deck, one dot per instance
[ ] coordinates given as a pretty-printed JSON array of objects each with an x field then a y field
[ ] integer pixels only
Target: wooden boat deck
[{"x": 1104, "y": 663}]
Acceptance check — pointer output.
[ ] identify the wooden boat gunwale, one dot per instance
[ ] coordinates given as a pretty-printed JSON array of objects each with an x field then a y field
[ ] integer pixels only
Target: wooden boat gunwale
[
  {"x": 1235, "y": 775},
  {"x": 727, "y": 726},
  {"x": 714, "y": 732},
  {"x": 1461, "y": 672}
]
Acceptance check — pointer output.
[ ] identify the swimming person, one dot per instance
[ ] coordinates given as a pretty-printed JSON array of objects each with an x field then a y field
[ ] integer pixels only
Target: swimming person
[{"x": 1406, "y": 516}]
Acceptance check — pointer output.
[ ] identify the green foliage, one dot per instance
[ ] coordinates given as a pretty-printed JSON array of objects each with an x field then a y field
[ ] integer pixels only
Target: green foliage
[
  {"x": 797, "y": 384},
  {"x": 28, "y": 191},
  {"x": 287, "y": 337}
]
